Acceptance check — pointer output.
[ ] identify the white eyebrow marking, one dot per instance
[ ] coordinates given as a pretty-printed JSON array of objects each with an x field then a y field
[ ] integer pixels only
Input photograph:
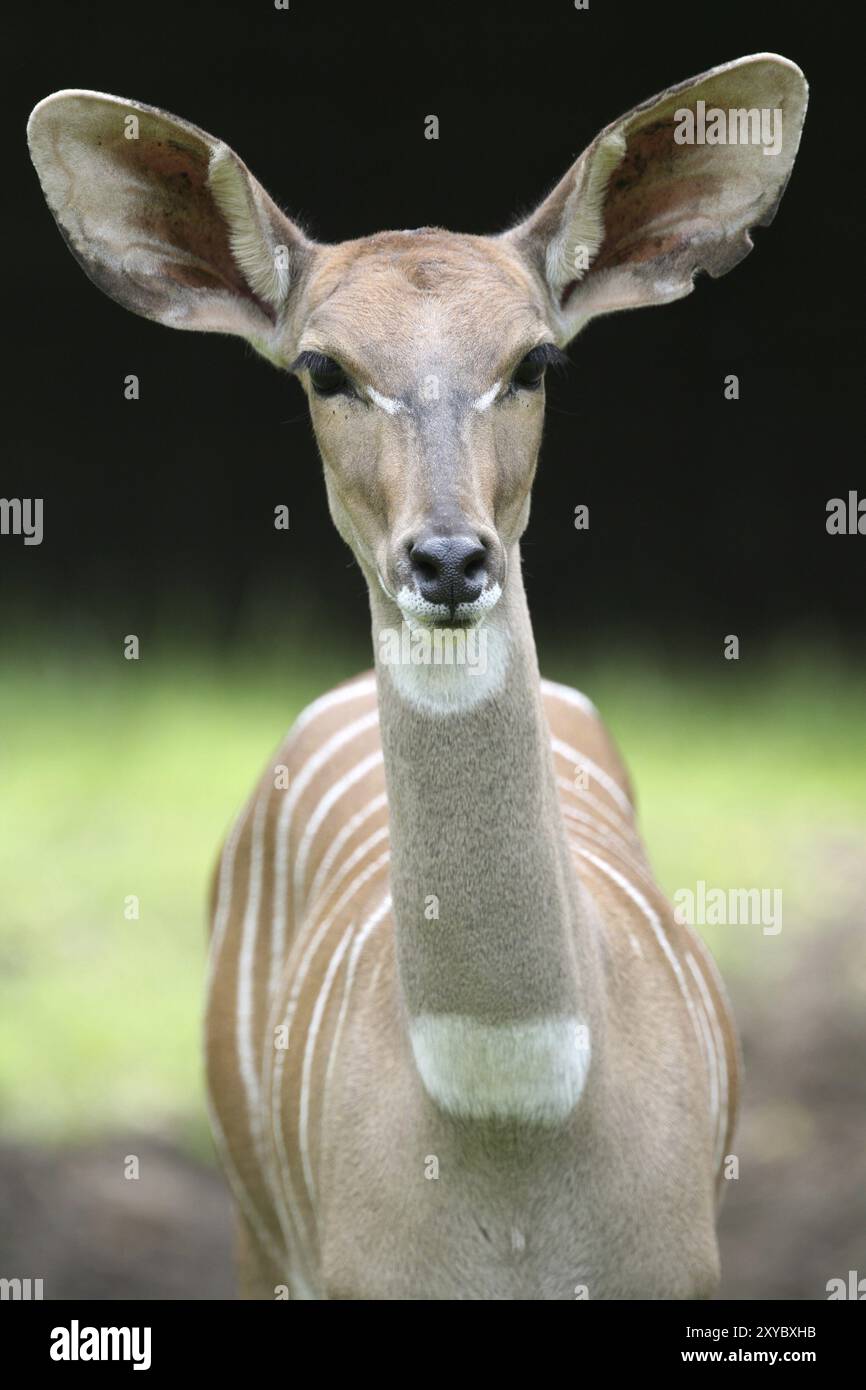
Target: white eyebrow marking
[
  {"x": 384, "y": 402},
  {"x": 485, "y": 401}
]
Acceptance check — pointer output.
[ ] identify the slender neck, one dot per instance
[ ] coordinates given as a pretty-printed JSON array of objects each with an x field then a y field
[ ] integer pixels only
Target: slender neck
[{"x": 491, "y": 924}]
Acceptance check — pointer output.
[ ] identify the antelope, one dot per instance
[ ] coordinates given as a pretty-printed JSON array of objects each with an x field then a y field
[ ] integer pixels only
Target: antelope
[{"x": 458, "y": 1044}]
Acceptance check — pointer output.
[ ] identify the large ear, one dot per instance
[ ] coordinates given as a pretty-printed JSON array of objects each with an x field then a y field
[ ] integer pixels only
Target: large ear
[
  {"x": 656, "y": 196},
  {"x": 164, "y": 218}
]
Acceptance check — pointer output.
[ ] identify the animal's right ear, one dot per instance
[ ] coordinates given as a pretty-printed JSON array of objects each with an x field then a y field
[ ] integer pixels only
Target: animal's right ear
[{"x": 166, "y": 219}]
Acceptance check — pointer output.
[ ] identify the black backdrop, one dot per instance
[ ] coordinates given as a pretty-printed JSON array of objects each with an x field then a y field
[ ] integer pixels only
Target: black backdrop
[{"x": 707, "y": 516}]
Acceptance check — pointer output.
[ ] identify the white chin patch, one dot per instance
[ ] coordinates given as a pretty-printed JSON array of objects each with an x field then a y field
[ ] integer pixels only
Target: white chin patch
[
  {"x": 414, "y": 606},
  {"x": 533, "y": 1072},
  {"x": 446, "y": 670}
]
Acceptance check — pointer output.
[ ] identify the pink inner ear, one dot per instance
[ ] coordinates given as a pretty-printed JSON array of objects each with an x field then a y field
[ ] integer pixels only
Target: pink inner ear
[
  {"x": 167, "y": 201},
  {"x": 662, "y": 192}
]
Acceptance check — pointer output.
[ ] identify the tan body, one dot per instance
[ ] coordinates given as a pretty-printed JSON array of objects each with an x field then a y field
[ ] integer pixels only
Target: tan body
[
  {"x": 457, "y": 1045},
  {"x": 515, "y": 1212}
]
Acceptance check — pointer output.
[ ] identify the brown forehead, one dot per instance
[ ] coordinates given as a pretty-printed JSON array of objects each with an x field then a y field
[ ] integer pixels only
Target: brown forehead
[{"x": 382, "y": 298}]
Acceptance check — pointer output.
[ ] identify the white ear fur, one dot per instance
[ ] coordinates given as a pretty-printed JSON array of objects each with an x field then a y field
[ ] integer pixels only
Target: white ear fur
[
  {"x": 582, "y": 222},
  {"x": 639, "y": 213},
  {"x": 266, "y": 274}
]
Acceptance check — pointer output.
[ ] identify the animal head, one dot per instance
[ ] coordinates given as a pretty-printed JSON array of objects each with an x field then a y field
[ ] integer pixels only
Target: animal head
[{"x": 423, "y": 353}]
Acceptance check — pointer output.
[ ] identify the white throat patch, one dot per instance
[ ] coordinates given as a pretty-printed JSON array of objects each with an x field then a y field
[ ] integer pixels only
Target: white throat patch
[
  {"x": 534, "y": 1071},
  {"x": 446, "y": 671}
]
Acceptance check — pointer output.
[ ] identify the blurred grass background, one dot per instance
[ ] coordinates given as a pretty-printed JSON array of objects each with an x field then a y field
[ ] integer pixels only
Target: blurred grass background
[{"x": 121, "y": 777}]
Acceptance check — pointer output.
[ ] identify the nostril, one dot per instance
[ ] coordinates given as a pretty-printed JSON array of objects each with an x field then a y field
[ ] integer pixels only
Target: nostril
[
  {"x": 448, "y": 570},
  {"x": 426, "y": 559},
  {"x": 425, "y": 569},
  {"x": 474, "y": 565}
]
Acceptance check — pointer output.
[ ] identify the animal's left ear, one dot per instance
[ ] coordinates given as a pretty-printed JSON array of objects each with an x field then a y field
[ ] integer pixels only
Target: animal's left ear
[{"x": 669, "y": 189}]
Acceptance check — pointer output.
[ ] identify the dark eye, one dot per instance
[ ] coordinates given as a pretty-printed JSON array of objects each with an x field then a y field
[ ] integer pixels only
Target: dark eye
[
  {"x": 529, "y": 373},
  {"x": 327, "y": 376}
]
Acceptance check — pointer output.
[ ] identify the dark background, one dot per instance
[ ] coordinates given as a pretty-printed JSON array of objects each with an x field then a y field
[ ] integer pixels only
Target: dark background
[{"x": 707, "y": 516}]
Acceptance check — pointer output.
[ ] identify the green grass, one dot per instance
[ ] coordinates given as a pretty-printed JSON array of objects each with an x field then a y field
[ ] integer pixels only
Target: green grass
[
  {"x": 118, "y": 780},
  {"x": 745, "y": 780},
  {"x": 121, "y": 778}
]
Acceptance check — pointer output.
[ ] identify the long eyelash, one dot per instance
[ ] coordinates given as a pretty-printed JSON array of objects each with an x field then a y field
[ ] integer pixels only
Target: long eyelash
[
  {"x": 544, "y": 355},
  {"x": 312, "y": 362},
  {"x": 550, "y": 355}
]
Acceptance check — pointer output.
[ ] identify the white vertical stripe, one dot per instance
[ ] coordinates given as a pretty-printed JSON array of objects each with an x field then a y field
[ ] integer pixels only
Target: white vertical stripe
[
  {"x": 222, "y": 913},
  {"x": 321, "y": 931},
  {"x": 283, "y": 1179},
  {"x": 352, "y": 824},
  {"x": 632, "y": 938},
  {"x": 569, "y": 696},
  {"x": 603, "y": 778},
  {"x": 309, "y": 1052},
  {"x": 225, "y": 882},
  {"x": 653, "y": 918},
  {"x": 370, "y": 925},
  {"x": 711, "y": 1059},
  {"x": 583, "y": 826},
  {"x": 721, "y": 1055},
  {"x": 244, "y": 1018},
  {"x": 600, "y": 808},
  {"x": 328, "y": 801},
  {"x": 355, "y": 690},
  {"x": 299, "y": 785},
  {"x": 355, "y": 858},
  {"x": 242, "y": 1197},
  {"x": 246, "y": 961}
]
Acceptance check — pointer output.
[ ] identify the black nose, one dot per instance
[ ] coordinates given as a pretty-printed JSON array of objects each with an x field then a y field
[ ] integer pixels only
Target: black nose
[{"x": 449, "y": 569}]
